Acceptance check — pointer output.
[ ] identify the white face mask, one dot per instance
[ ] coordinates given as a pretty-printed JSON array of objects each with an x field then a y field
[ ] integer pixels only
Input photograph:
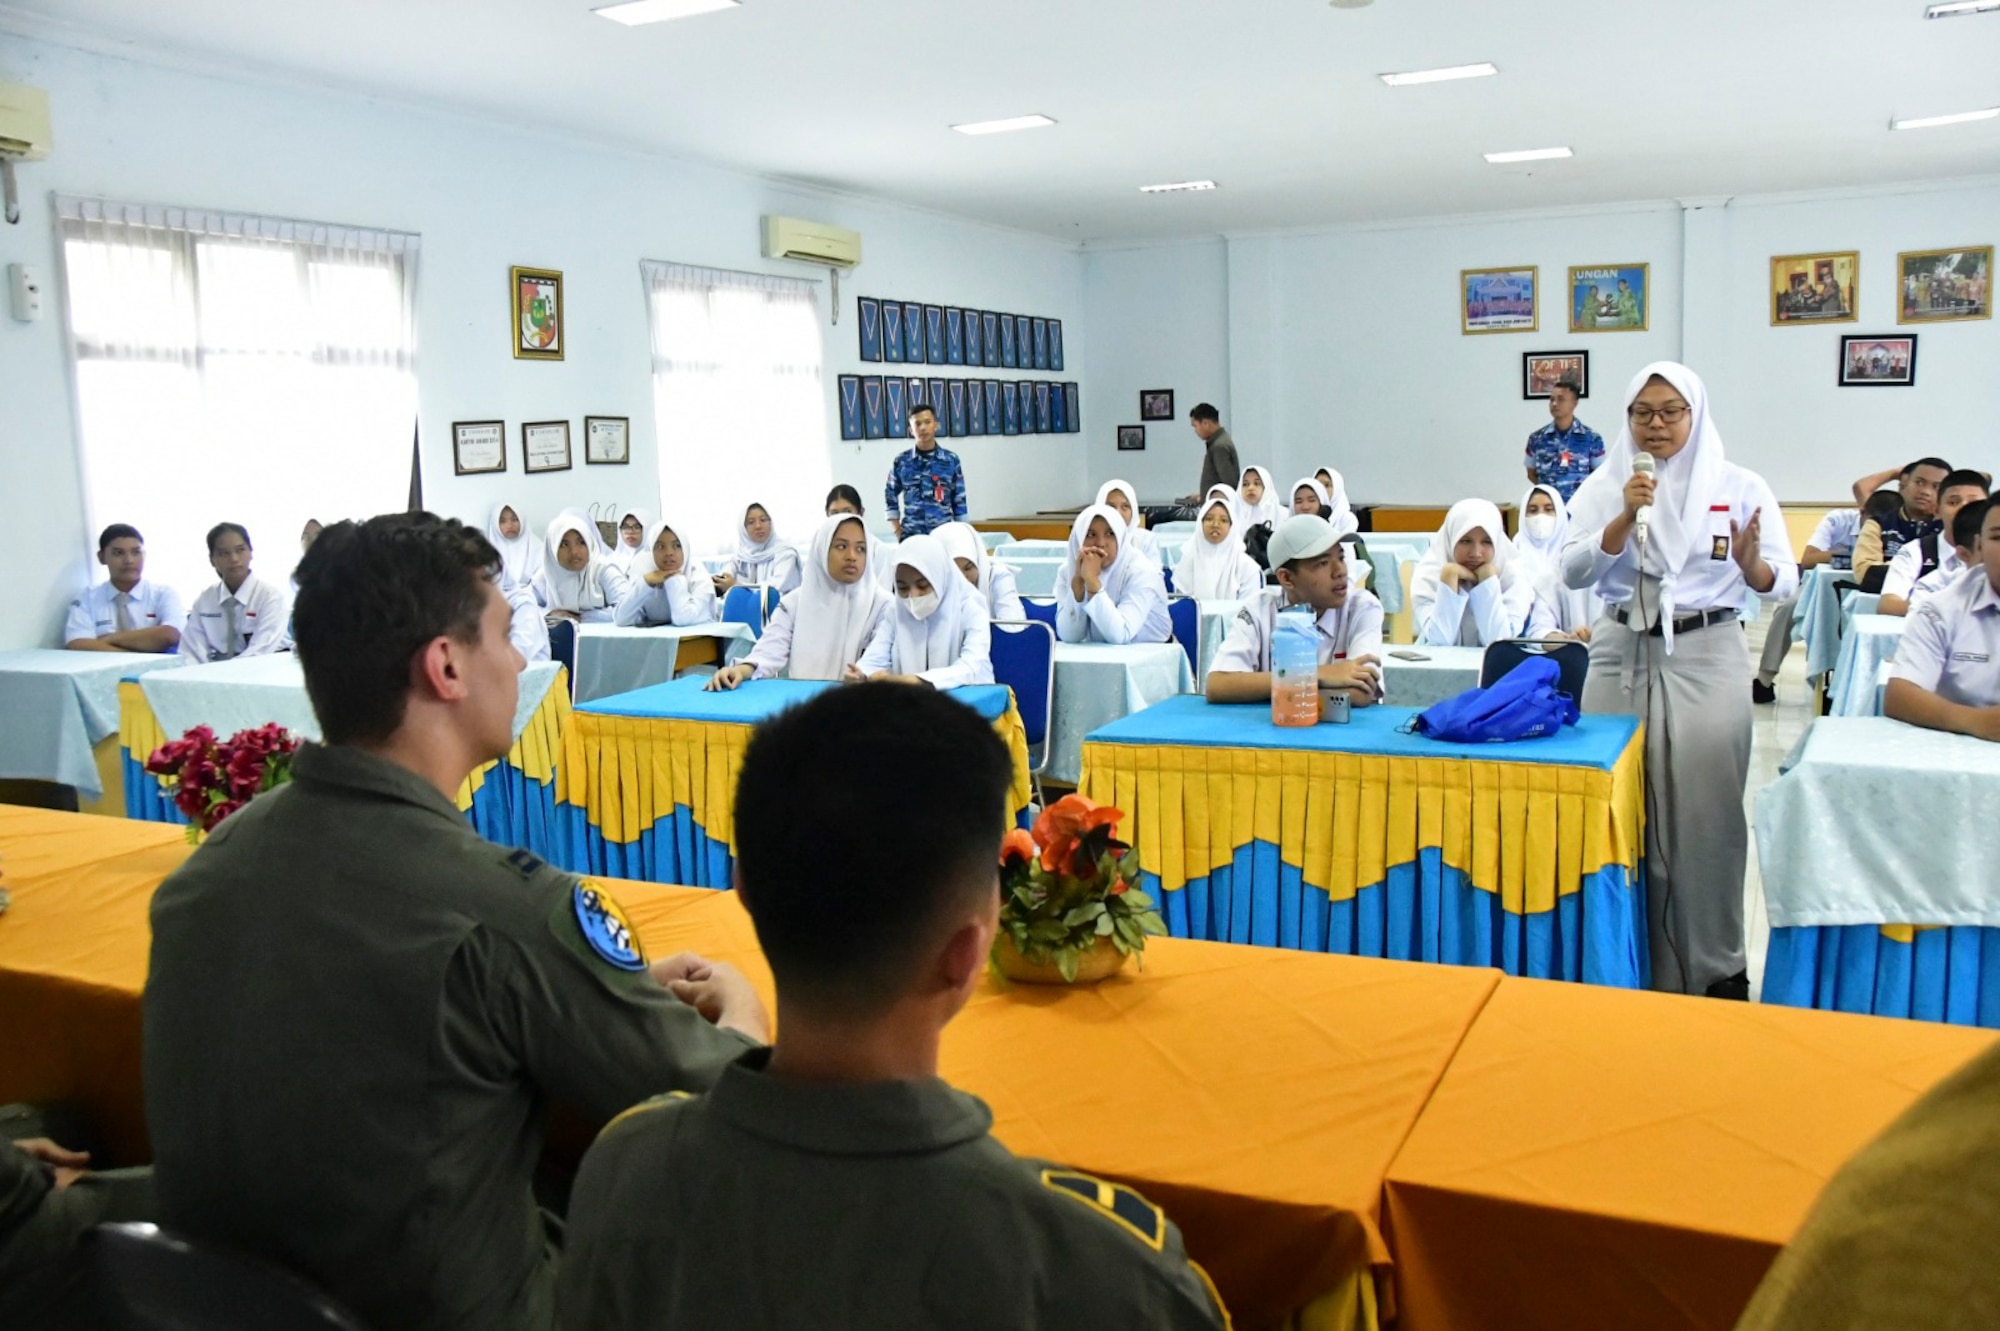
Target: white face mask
[
  {"x": 922, "y": 607},
  {"x": 1541, "y": 526}
]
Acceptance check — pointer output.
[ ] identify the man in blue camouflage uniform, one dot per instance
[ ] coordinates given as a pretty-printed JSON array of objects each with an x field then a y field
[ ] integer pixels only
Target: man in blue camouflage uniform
[
  {"x": 926, "y": 484},
  {"x": 1565, "y": 451}
]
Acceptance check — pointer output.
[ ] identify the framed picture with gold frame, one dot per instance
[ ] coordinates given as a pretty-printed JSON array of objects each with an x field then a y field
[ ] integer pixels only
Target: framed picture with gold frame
[
  {"x": 1611, "y": 298},
  {"x": 1499, "y": 300},
  {"x": 536, "y": 306},
  {"x": 1944, "y": 286},
  {"x": 1815, "y": 288}
]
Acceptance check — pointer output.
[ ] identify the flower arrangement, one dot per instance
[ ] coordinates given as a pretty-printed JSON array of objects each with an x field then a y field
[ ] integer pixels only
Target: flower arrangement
[
  {"x": 1067, "y": 895},
  {"x": 213, "y": 780}
]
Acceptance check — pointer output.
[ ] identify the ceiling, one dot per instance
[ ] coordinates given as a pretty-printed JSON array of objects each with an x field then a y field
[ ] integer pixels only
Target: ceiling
[{"x": 1277, "y": 100}]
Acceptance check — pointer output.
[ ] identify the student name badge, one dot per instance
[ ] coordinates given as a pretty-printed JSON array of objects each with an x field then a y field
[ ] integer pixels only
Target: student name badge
[{"x": 1720, "y": 549}]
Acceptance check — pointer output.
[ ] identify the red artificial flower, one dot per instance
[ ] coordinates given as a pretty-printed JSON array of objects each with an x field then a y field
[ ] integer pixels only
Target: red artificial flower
[
  {"x": 1017, "y": 847},
  {"x": 200, "y": 773},
  {"x": 246, "y": 773},
  {"x": 193, "y": 803},
  {"x": 1063, "y": 826},
  {"x": 219, "y": 812},
  {"x": 1117, "y": 888}
]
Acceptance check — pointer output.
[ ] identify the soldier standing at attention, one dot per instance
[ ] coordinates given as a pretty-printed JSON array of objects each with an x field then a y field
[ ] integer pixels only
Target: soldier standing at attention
[
  {"x": 359, "y": 1011},
  {"x": 1564, "y": 452},
  {"x": 834, "y": 1181},
  {"x": 926, "y": 483}
]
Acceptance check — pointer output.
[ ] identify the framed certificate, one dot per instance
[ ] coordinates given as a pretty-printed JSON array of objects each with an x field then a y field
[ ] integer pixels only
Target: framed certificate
[
  {"x": 1010, "y": 406},
  {"x": 1043, "y": 416},
  {"x": 989, "y": 338},
  {"x": 871, "y": 328},
  {"x": 607, "y": 439},
  {"x": 940, "y": 404},
  {"x": 1073, "y": 400},
  {"x": 934, "y": 334},
  {"x": 895, "y": 403},
  {"x": 478, "y": 446},
  {"x": 917, "y": 396},
  {"x": 975, "y": 406},
  {"x": 537, "y": 309},
  {"x": 956, "y": 389},
  {"x": 974, "y": 339},
  {"x": 992, "y": 387},
  {"x": 1009, "y": 354},
  {"x": 954, "y": 336},
  {"x": 892, "y": 332},
  {"x": 1040, "y": 333},
  {"x": 872, "y": 392},
  {"x": 849, "y": 388},
  {"x": 1058, "y": 410},
  {"x": 1024, "y": 344},
  {"x": 913, "y": 333},
  {"x": 545, "y": 445},
  {"x": 1055, "y": 345}
]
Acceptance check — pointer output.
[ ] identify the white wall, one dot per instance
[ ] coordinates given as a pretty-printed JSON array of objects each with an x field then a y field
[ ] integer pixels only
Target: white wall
[{"x": 483, "y": 197}]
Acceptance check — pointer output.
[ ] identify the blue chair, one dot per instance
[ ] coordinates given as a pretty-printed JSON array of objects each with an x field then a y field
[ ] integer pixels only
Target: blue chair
[
  {"x": 146, "y": 1279},
  {"x": 770, "y": 603},
  {"x": 1167, "y": 574},
  {"x": 1042, "y": 609},
  {"x": 1572, "y": 658},
  {"x": 1185, "y": 612},
  {"x": 1024, "y": 659},
  {"x": 743, "y": 606}
]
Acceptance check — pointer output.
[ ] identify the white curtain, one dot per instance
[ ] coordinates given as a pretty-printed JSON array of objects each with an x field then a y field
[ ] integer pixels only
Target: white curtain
[
  {"x": 738, "y": 397},
  {"x": 240, "y": 369}
]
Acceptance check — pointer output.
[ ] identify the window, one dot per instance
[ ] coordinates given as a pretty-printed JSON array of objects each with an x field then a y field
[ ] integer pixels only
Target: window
[
  {"x": 240, "y": 369},
  {"x": 738, "y": 398}
]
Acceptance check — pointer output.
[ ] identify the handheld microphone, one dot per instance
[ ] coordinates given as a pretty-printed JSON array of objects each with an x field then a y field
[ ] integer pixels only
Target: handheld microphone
[{"x": 1643, "y": 465}]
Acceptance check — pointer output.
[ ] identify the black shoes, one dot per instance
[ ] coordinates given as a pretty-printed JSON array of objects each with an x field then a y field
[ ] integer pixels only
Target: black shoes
[
  {"x": 1761, "y": 693},
  {"x": 1736, "y": 988}
]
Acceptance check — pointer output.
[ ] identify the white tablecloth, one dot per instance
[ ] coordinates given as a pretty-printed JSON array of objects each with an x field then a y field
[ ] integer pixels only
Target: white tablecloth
[
  {"x": 1035, "y": 577},
  {"x": 1869, "y": 641},
  {"x": 611, "y": 660},
  {"x": 252, "y": 691},
  {"x": 56, "y": 705},
  {"x": 1448, "y": 672},
  {"x": 1819, "y": 621},
  {"x": 1097, "y": 683},
  {"x": 1216, "y": 618},
  {"x": 1882, "y": 823},
  {"x": 1031, "y": 549}
]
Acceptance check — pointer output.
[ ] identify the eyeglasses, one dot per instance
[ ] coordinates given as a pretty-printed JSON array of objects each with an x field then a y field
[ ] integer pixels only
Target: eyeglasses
[{"x": 1673, "y": 415}]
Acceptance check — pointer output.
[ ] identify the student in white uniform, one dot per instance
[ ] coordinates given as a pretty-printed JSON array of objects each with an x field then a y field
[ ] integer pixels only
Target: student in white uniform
[
  {"x": 527, "y": 630},
  {"x": 1832, "y": 543},
  {"x": 661, "y": 591},
  {"x": 994, "y": 579},
  {"x": 1670, "y": 651},
  {"x": 762, "y": 558},
  {"x": 1122, "y": 499},
  {"x": 937, "y": 633},
  {"x": 580, "y": 581},
  {"x": 1466, "y": 591},
  {"x": 1104, "y": 591},
  {"x": 520, "y": 549},
  {"x": 126, "y": 613},
  {"x": 1569, "y": 611},
  {"x": 1335, "y": 486},
  {"x": 1259, "y": 499},
  {"x": 1931, "y": 552},
  {"x": 239, "y": 616},
  {"x": 1966, "y": 526},
  {"x": 631, "y": 550},
  {"x": 1947, "y": 673},
  {"x": 824, "y": 625},
  {"x": 1311, "y": 569},
  {"x": 1215, "y": 567}
]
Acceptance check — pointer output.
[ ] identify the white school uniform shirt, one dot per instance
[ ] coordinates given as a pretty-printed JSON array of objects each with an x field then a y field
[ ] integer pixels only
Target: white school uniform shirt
[
  {"x": 1350, "y": 630},
  {"x": 149, "y": 605},
  {"x": 676, "y": 601},
  {"x": 950, "y": 649},
  {"x": 527, "y": 629},
  {"x": 1951, "y": 641},
  {"x": 1901, "y": 579},
  {"x": 772, "y": 655},
  {"x": 1131, "y": 603},
  {"x": 1502, "y": 606},
  {"x": 1937, "y": 579},
  {"x": 1837, "y": 531},
  {"x": 223, "y": 625}
]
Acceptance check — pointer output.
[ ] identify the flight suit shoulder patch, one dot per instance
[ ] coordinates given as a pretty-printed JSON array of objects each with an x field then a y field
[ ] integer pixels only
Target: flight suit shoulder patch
[
  {"x": 646, "y": 1107},
  {"x": 596, "y": 917},
  {"x": 1117, "y": 1203}
]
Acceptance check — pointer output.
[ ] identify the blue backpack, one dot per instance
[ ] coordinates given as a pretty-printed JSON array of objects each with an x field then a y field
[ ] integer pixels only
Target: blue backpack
[{"x": 1521, "y": 704}]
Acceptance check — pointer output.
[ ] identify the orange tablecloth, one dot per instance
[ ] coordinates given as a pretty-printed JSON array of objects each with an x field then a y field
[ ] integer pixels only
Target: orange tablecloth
[{"x": 1602, "y": 1158}]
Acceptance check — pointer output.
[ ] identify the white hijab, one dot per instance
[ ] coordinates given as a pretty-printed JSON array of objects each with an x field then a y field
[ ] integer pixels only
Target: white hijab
[
  {"x": 521, "y": 556},
  {"x": 960, "y": 541},
  {"x": 831, "y": 620},
  {"x": 1267, "y": 509},
  {"x": 634, "y": 563},
  {"x": 1211, "y": 570},
  {"x": 1114, "y": 577},
  {"x": 754, "y": 555},
  {"x": 935, "y": 642},
  {"x": 1463, "y": 517},
  {"x": 644, "y": 563},
  {"x": 1145, "y": 542},
  {"x": 1549, "y": 549},
  {"x": 584, "y": 589},
  {"x": 1336, "y": 494},
  {"x": 1131, "y": 495},
  {"x": 1688, "y": 482}
]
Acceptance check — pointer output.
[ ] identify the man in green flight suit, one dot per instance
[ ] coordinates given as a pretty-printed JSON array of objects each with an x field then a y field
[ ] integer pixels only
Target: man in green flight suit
[
  {"x": 359, "y": 1011},
  {"x": 835, "y": 1181},
  {"x": 1628, "y": 306}
]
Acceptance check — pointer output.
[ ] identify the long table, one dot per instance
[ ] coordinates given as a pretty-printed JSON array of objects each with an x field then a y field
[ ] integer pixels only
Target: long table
[
  {"x": 612, "y": 660},
  {"x": 1366, "y": 840},
  {"x": 57, "y": 707}
]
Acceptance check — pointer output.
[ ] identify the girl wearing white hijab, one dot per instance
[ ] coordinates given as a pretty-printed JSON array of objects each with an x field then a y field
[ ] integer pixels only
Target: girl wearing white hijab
[
  {"x": 1466, "y": 591},
  {"x": 1215, "y": 567},
  {"x": 994, "y": 579},
  {"x": 1335, "y": 486},
  {"x": 1122, "y": 499},
  {"x": 632, "y": 547},
  {"x": 822, "y": 626},
  {"x": 1538, "y": 550},
  {"x": 1669, "y": 650},
  {"x": 662, "y": 591},
  {"x": 520, "y": 551},
  {"x": 761, "y": 558},
  {"x": 938, "y": 632},
  {"x": 1312, "y": 496},
  {"x": 580, "y": 580},
  {"x": 1258, "y": 498},
  {"x": 1104, "y": 591}
]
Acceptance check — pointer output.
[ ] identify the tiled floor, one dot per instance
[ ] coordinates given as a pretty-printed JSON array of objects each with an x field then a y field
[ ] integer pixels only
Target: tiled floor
[{"x": 1778, "y": 729}]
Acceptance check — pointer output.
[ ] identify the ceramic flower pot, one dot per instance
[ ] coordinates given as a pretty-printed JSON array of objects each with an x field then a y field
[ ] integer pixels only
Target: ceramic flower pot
[{"x": 1100, "y": 963}]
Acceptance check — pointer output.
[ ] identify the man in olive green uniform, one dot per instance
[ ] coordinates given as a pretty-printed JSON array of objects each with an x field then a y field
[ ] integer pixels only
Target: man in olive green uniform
[
  {"x": 359, "y": 1011},
  {"x": 834, "y": 1181},
  {"x": 49, "y": 1199}
]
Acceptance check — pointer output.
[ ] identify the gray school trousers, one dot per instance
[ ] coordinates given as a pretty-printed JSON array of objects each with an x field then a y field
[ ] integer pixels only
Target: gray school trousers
[{"x": 1778, "y": 641}]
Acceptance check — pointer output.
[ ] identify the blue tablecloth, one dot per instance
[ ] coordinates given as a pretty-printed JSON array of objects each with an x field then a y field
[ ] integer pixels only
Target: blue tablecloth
[
  {"x": 1868, "y": 641},
  {"x": 758, "y": 700},
  {"x": 55, "y": 706}
]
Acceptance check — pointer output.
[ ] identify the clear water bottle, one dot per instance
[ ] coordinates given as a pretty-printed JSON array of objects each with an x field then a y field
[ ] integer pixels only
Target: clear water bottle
[{"x": 1295, "y": 670}]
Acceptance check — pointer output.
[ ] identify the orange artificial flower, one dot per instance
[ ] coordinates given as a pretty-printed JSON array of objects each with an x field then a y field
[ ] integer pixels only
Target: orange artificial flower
[
  {"x": 1064, "y": 824},
  {"x": 1017, "y": 847}
]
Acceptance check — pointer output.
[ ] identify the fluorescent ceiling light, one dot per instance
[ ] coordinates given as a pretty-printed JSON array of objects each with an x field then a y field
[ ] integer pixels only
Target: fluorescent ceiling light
[
  {"x": 1006, "y": 126},
  {"x": 1481, "y": 70},
  {"x": 1177, "y": 187},
  {"x": 1529, "y": 155},
  {"x": 1958, "y": 7},
  {"x": 1932, "y": 122},
  {"x": 635, "y": 12}
]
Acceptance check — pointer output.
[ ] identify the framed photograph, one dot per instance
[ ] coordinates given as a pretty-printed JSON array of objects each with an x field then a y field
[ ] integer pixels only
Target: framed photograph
[
  {"x": 1815, "y": 288},
  {"x": 872, "y": 394},
  {"x": 1156, "y": 404},
  {"x": 1610, "y": 298},
  {"x": 1878, "y": 362},
  {"x": 1010, "y": 357},
  {"x": 975, "y": 403},
  {"x": 871, "y": 328},
  {"x": 992, "y": 406},
  {"x": 1499, "y": 300},
  {"x": 896, "y": 404},
  {"x": 1055, "y": 345},
  {"x": 1541, "y": 371},
  {"x": 607, "y": 440},
  {"x": 537, "y": 311},
  {"x": 989, "y": 338},
  {"x": 1944, "y": 285},
  {"x": 974, "y": 339},
  {"x": 478, "y": 446},
  {"x": 934, "y": 334},
  {"x": 1072, "y": 399},
  {"x": 1010, "y": 406},
  {"x": 913, "y": 333},
  {"x": 545, "y": 446},
  {"x": 892, "y": 332},
  {"x": 849, "y": 388},
  {"x": 1131, "y": 439},
  {"x": 955, "y": 415},
  {"x": 954, "y": 335}
]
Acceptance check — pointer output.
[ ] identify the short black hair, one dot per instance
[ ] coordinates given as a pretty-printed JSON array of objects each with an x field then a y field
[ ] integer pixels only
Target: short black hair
[
  {"x": 221, "y": 529},
  {"x": 916, "y": 407},
  {"x": 862, "y": 817},
  {"x": 370, "y": 596},
  {"x": 1204, "y": 411},
  {"x": 1969, "y": 522},
  {"x": 847, "y": 492},
  {"x": 1966, "y": 476},
  {"x": 1575, "y": 388},
  {"x": 1882, "y": 506},
  {"x": 1939, "y": 463},
  {"x": 118, "y": 531}
]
